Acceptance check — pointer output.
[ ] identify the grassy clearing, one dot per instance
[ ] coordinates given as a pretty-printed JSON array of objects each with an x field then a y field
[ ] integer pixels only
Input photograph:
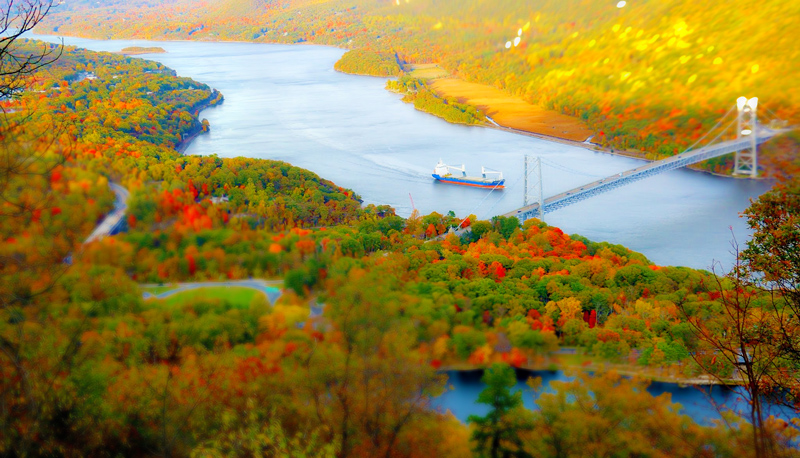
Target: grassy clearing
[
  {"x": 239, "y": 297},
  {"x": 513, "y": 112},
  {"x": 427, "y": 71}
]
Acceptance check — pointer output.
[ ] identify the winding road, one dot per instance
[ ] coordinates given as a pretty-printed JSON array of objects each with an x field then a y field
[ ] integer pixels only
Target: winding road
[{"x": 113, "y": 221}]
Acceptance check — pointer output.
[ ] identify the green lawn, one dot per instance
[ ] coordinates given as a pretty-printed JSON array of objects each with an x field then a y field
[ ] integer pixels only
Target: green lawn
[{"x": 239, "y": 297}]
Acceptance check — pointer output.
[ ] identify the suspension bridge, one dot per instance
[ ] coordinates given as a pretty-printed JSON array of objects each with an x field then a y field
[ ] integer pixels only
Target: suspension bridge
[{"x": 749, "y": 134}]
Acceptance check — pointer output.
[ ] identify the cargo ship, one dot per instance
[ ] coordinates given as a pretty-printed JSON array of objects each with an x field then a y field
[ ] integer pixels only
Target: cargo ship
[{"x": 442, "y": 173}]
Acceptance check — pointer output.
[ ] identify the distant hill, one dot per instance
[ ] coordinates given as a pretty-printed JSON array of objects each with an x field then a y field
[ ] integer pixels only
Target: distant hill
[{"x": 653, "y": 75}]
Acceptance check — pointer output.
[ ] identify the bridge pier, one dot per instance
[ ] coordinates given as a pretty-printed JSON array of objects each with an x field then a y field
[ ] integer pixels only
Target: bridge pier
[
  {"x": 747, "y": 126},
  {"x": 533, "y": 165}
]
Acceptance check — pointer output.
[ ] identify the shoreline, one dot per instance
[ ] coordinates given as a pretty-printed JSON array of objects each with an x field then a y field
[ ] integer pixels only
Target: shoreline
[
  {"x": 358, "y": 74},
  {"x": 215, "y": 100},
  {"x": 594, "y": 147},
  {"x": 603, "y": 367},
  {"x": 588, "y": 146},
  {"x": 48, "y": 34},
  {"x": 184, "y": 144}
]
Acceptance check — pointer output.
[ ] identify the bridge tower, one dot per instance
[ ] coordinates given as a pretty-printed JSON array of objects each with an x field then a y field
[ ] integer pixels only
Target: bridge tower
[
  {"x": 747, "y": 126},
  {"x": 534, "y": 165}
]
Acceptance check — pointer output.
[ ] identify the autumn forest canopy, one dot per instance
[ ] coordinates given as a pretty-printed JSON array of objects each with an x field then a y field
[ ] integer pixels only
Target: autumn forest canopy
[{"x": 344, "y": 317}]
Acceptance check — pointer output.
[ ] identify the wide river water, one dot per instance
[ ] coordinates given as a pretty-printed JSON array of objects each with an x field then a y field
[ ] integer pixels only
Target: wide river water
[{"x": 286, "y": 102}]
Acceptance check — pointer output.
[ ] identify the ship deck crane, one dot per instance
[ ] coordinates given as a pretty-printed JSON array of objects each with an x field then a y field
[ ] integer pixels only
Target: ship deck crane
[
  {"x": 486, "y": 171},
  {"x": 441, "y": 166}
]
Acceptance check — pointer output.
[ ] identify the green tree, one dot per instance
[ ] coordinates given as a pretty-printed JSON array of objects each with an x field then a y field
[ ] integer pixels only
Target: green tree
[
  {"x": 505, "y": 225},
  {"x": 773, "y": 257},
  {"x": 467, "y": 342},
  {"x": 499, "y": 433},
  {"x": 613, "y": 416},
  {"x": 742, "y": 335},
  {"x": 774, "y": 249},
  {"x": 481, "y": 227},
  {"x": 256, "y": 437}
]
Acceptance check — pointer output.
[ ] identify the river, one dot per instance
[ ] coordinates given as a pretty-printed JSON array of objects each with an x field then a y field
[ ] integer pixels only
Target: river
[
  {"x": 286, "y": 102},
  {"x": 701, "y": 403}
]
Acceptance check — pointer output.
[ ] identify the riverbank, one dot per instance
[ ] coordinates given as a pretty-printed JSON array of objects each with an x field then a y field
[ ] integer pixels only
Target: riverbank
[
  {"x": 215, "y": 100},
  {"x": 580, "y": 363},
  {"x": 594, "y": 147},
  {"x": 450, "y": 112},
  {"x": 512, "y": 111},
  {"x": 186, "y": 142},
  {"x": 512, "y": 114}
]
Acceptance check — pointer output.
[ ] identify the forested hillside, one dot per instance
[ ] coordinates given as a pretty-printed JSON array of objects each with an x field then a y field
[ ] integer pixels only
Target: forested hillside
[{"x": 651, "y": 76}]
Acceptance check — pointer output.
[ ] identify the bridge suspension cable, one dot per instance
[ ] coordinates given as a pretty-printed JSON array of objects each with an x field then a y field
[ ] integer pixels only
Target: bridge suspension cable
[
  {"x": 745, "y": 139},
  {"x": 501, "y": 197},
  {"x": 475, "y": 208},
  {"x": 564, "y": 168},
  {"x": 711, "y": 130}
]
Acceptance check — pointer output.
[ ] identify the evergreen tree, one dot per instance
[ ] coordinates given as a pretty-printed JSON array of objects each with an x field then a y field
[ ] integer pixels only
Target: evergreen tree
[{"x": 499, "y": 433}]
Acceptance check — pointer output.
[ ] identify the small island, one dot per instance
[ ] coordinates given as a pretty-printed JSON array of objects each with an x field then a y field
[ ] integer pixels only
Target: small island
[{"x": 136, "y": 50}]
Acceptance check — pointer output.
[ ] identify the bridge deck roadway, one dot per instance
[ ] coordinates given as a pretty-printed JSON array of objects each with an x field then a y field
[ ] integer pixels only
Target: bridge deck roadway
[{"x": 645, "y": 171}]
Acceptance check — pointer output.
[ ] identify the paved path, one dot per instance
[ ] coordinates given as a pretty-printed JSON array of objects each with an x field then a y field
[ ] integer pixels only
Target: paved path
[
  {"x": 113, "y": 220},
  {"x": 270, "y": 288}
]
